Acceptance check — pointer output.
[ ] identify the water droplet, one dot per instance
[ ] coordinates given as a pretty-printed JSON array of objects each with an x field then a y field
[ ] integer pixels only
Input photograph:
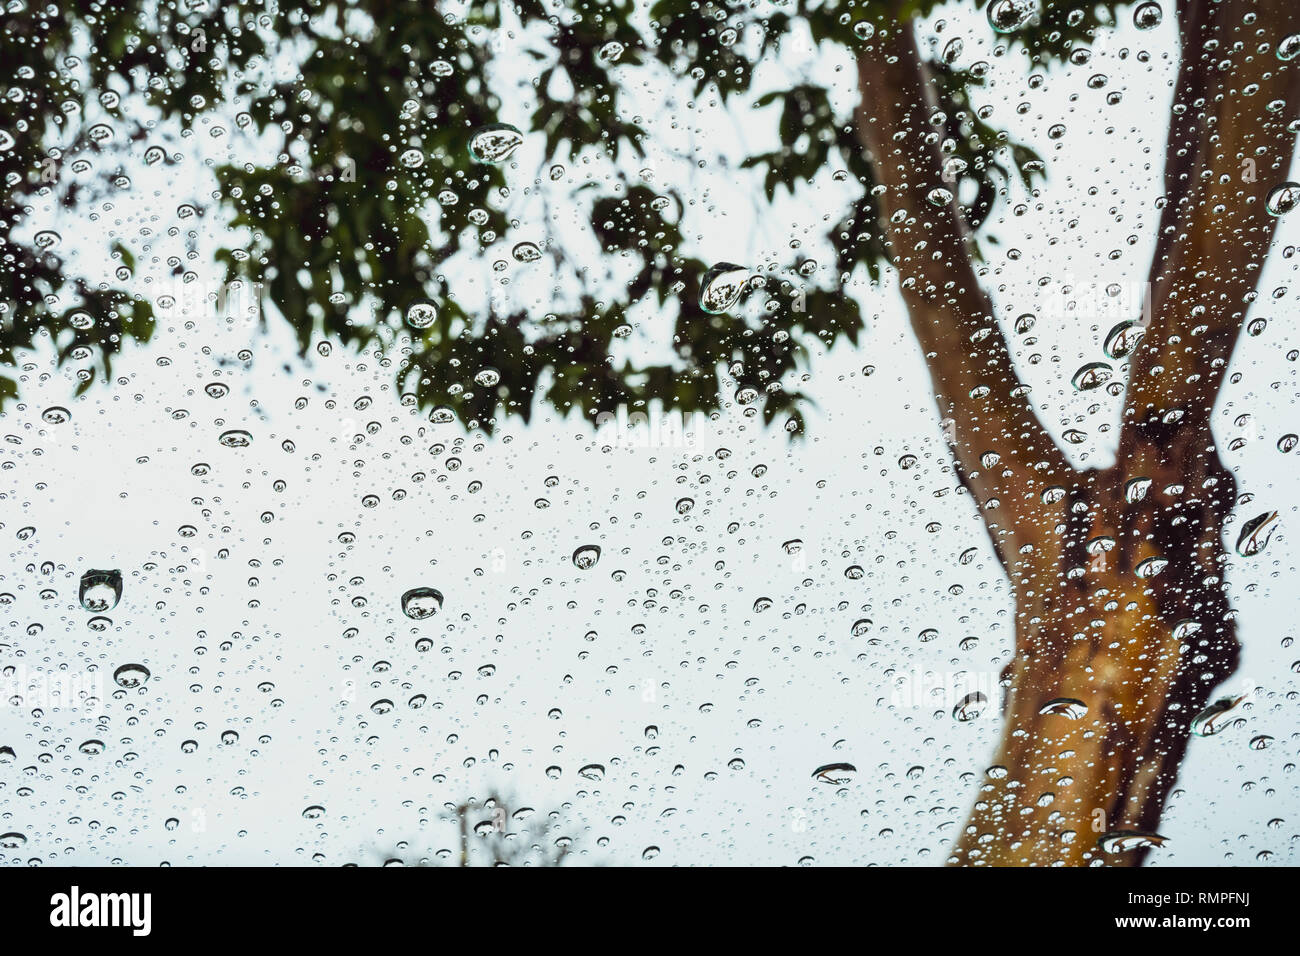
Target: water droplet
[
  {"x": 1150, "y": 567},
  {"x": 236, "y": 438},
  {"x": 1069, "y": 707},
  {"x": 1148, "y": 15},
  {"x": 836, "y": 774},
  {"x": 130, "y": 675},
  {"x": 585, "y": 557},
  {"x": 1283, "y": 198},
  {"x": 100, "y": 590},
  {"x": 1255, "y": 534},
  {"x": 722, "y": 286},
  {"x": 526, "y": 252},
  {"x": 1215, "y": 717},
  {"x": 494, "y": 144},
  {"x": 1123, "y": 338},
  {"x": 939, "y": 197},
  {"x": 969, "y": 707},
  {"x": 1008, "y": 16},
  {"x": 1090, "y": 376},
  {"x": 421, "y": 315},
  {"x": 1121, "y": 841},
  {"x": 421, "y": 603},
  {"x": 1135, "y": 489}
]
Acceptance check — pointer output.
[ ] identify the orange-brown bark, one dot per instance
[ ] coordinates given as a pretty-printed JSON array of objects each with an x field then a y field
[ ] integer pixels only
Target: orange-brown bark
[{"x": 1090, "y": 626}]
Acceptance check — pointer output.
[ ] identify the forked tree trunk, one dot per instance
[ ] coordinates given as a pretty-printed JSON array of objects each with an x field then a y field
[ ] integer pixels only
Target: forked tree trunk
[
  {"x": 1091, "y": 629},
  {"x": 1141, "y": 652}
]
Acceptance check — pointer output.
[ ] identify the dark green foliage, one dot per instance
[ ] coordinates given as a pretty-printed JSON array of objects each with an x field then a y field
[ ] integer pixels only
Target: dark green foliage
[{"x": 375, "y": 80}]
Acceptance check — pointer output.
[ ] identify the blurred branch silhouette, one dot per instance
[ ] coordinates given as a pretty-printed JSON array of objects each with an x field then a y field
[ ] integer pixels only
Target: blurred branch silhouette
[{"x": 495, "y": 831}]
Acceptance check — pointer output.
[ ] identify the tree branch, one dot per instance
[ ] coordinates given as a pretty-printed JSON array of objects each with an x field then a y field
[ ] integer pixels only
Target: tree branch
[
  {"x": 1003, "y": 452},
  {"x": 1231, "y": 141}
]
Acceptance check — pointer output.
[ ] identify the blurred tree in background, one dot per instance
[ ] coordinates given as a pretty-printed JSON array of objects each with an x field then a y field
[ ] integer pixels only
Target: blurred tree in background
[
  {"x": 372, "y": 108},
  {"x": 394, "y": 163}
]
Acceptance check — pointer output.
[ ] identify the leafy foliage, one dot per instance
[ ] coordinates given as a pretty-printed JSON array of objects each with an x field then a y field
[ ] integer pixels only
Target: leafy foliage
[{"x": 375, "y": 201}]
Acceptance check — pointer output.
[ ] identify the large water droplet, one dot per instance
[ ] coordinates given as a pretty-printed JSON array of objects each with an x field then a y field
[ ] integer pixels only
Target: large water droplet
[
  {"x": 526, "y": 252},
  {"x": 970, "y": 707},
  {"x": 1148, "y": 15},
  {"x": 130, "y": 675},
  {"x": 722, "y": 286},
  {"x": 1150, "y": 567},
  {"x": 1135, "y": 489},
  {"x": 421, "y": 315},
  {"x": 1090, "y": 376},
  {"x": 1121, "y": 841},
  {"x": 421, "y": 603},
  {"x": 1255, "y": 534},
  {"x": 1282, "y": 199},
  {"x": 1069, "y": 707},
  {"x": 836, "y": 774},
  {"x": 1216, "y": 716},
  {"x": 100, "y": 590},
  {"x": 1123, "y": 338},
  {"x": 494, "y": 144},
  {"x": 1008, "y": 16}
]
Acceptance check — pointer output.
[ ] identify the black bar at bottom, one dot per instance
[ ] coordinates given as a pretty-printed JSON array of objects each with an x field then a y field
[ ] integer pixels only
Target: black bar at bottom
[{"x": 381, "y": 907}]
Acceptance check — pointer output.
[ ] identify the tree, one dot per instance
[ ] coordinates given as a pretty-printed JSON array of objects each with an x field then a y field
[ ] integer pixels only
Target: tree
[{"x": 394, "y": 144}]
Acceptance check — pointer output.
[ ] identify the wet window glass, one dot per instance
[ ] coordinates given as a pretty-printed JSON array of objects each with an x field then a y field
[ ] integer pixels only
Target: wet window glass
[{"x": 649, "y": 432}]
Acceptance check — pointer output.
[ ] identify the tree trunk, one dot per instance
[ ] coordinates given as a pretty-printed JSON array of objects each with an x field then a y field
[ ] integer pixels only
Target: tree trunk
[
  {"x": 1123, "y": 629},
  {"x": 1092, "y": 629}
]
